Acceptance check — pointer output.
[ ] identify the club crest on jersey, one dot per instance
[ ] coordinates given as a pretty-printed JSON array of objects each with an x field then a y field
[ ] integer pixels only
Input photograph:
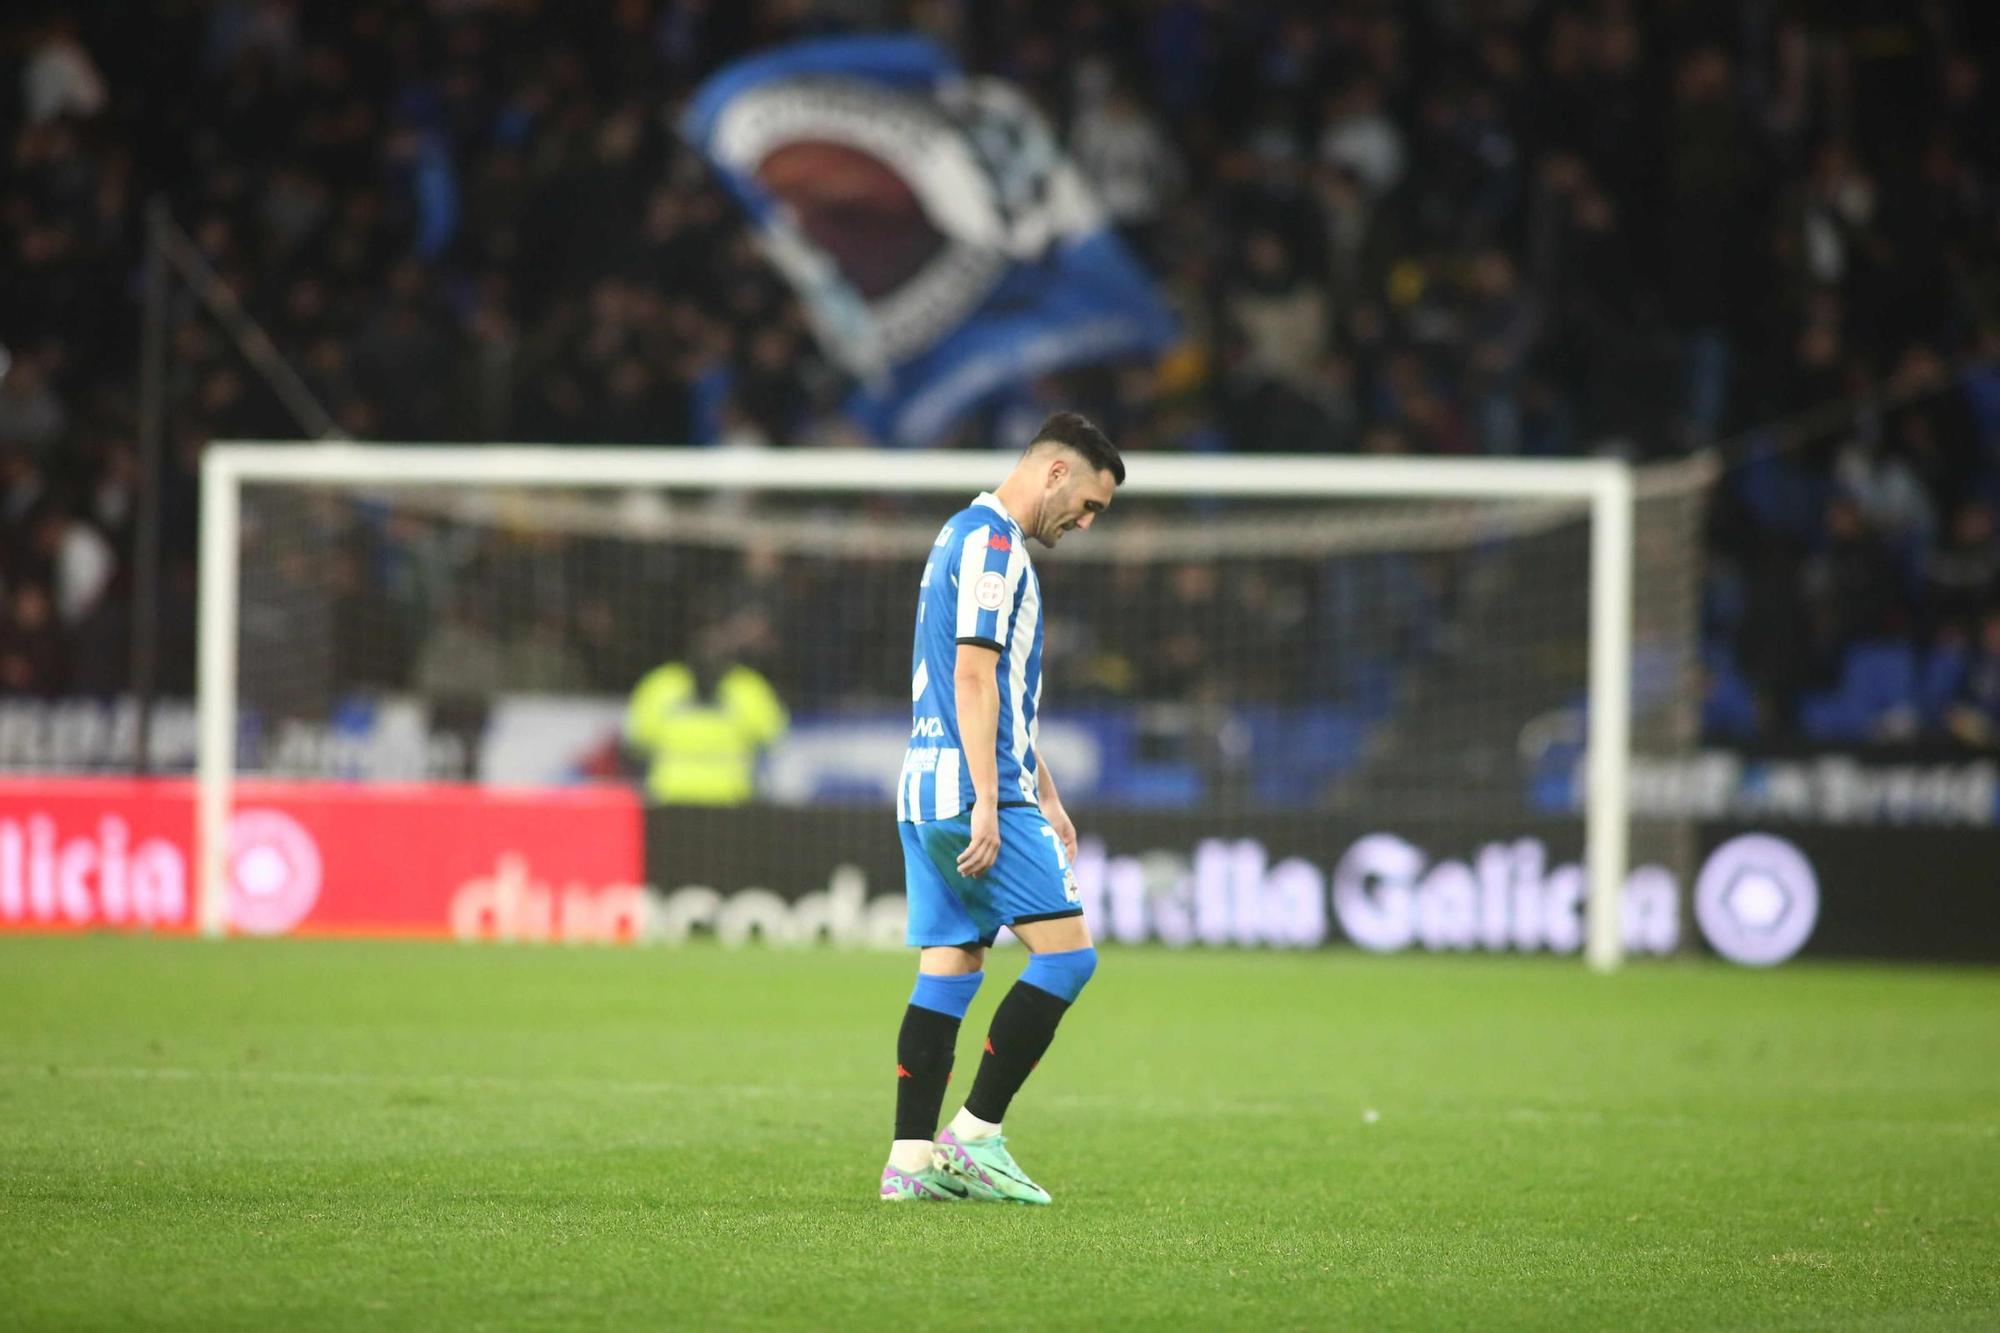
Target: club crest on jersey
[
  {"x": 990, "y": 590},
  {"x": 998, "y": 542}
]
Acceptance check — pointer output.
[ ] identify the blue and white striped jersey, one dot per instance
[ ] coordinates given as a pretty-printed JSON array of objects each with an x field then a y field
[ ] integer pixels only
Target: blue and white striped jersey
[{"x": 978, "y": 588}]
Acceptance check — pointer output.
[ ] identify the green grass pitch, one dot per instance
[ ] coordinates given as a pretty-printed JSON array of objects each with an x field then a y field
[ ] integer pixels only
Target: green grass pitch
[{"x": 309, "y": 1135}]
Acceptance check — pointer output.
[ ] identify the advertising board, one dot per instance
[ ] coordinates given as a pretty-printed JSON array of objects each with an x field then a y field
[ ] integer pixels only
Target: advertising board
[
  {"x": 1756, "y": 895},
  {"x": 325, "y": 859},
  {"x": 586, "y": 864}
]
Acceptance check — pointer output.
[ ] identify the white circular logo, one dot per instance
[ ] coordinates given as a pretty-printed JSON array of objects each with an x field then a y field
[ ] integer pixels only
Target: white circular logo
[
  {"x": 274, "y": 872},
  {"x": 990, "y": 590},
  {"x": 1757, "y": 899}
]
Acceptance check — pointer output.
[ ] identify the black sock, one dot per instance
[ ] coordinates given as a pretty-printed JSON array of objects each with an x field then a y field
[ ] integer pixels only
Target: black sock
[
  {"x": 1023, "y": 1027},
  {"x": 923, "y": 1067}
]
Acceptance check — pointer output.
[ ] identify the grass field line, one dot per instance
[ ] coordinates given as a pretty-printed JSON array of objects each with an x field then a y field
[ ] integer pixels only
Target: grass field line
[
  {"x": 637, "y": 1087},
  {"x": 1142, "y": 1103}
]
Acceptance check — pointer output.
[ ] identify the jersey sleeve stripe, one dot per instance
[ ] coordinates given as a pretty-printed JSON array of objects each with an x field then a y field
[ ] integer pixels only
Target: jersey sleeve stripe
[
  {"x": 1016, "y": 676},
  {"x": 1016, "y": 567},
  {"x": 971, "y": 562}
]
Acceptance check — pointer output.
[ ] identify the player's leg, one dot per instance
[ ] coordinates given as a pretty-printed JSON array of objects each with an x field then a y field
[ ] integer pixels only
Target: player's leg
[
  {"x": 949, "y": 971},
  {"x": 947, "y": 979},
  {"x": 973, "y": 1146},
  {"x": 1036, "y": 890},
  {"x": 1025, "y": 1023}
]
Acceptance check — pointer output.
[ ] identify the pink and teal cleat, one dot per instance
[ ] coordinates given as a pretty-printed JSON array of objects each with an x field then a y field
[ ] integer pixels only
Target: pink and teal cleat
[
  {"x": 985, "y": 1169},
  {"x": 929, "y": 1185}
]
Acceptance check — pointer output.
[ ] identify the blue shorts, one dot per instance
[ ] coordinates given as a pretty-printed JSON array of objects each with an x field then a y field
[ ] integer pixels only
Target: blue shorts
[{"x": 1029, "y": 881}]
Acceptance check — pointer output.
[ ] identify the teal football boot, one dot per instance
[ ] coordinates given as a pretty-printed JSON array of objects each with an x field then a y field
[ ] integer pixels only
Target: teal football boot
[
  {"x": 986, "y": 1169},
  {"x": 929, "y": 1185}
]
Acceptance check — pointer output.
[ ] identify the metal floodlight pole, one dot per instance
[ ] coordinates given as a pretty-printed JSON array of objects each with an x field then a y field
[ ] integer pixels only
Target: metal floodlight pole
[
  {"x": 169, "y": 248},
  {"x": 249, "y": 336},
  {"x": 145, "y": 623}
]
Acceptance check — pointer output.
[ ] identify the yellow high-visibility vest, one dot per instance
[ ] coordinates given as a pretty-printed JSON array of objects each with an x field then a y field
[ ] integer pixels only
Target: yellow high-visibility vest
[{"x": 703, "y": 751}]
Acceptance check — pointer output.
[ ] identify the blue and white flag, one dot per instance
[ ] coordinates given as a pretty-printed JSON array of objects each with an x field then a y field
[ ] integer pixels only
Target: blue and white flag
[{"x": 944, "y": 245}]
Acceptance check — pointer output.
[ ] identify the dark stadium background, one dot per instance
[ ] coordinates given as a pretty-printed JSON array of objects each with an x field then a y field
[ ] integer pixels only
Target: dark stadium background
[{"x": 1490, "y": 228}]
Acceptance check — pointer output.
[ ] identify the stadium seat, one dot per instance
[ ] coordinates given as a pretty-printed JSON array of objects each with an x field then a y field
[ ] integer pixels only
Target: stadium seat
[
  {"x": 1831, "y": 716},
  {"x": 1943, "y": 673},
  {"x": 1300, "y": 750},
  {"x": 1153, "y": 785},
  {"x": 1882, "y": 673},
  {"x": 1729, "y": 709},
  {"x": 1878, "y": 681},
  {"x": 1782, "y": 496},
  {"x": 1369, "y": 685}
]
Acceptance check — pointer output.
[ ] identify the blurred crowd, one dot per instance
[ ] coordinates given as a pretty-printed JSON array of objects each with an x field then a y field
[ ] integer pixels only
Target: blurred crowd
[{"x": 1499, "y": 227}]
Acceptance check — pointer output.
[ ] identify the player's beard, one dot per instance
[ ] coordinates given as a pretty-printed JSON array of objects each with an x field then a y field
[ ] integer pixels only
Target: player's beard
[
  {"x": 1059, "y": 501},
  {"x": 1040, "y": 527}
]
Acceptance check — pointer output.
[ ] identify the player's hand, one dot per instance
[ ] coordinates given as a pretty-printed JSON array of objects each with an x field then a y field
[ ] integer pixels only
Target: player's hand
[
  {"x": 1059, "y": 821},
  {"x": 984, "y": 849}
]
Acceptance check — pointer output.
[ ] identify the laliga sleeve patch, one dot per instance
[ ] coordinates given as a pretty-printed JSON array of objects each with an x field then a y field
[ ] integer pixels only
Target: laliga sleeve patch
[{"x": 990, "y": 590}]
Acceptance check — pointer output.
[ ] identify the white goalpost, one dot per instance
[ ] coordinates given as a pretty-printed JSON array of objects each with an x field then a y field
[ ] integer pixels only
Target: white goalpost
[{"x": 1599, "y": 492}]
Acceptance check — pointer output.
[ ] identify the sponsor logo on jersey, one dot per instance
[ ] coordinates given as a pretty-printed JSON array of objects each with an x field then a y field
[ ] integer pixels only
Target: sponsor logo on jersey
[
  {"x": 998, "y": 542},
  {"x": 930, "y": 727}
]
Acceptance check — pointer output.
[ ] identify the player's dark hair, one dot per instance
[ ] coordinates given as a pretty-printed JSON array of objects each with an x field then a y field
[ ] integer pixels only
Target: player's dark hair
[{"x": 1073, "y": 430}]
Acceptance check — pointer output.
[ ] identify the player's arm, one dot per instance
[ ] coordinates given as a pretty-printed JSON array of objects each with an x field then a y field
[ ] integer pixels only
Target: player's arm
[
  {"x": 1052, "y": 806},
  {"x": 988, "y": 572},
  {"x": 976, "y": 686}
]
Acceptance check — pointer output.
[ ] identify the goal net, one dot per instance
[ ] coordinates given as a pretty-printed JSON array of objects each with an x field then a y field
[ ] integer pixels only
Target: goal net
[{"x": 1287, "y": 701}]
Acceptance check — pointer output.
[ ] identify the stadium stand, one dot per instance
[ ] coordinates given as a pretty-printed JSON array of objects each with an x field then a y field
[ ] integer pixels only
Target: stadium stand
[{"x": 1652, "y": 226}]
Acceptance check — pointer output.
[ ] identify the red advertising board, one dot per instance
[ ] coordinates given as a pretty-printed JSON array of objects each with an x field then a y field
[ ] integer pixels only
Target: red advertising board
[{"x": 326, "y": 859}]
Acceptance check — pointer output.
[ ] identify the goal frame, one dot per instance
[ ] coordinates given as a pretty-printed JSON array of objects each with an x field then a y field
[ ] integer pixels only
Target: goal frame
[{"x": 1605, "y": 485}]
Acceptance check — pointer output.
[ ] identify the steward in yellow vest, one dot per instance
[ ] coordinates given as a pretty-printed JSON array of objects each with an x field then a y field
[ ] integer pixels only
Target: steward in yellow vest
[{"x": 699, "y": 732}]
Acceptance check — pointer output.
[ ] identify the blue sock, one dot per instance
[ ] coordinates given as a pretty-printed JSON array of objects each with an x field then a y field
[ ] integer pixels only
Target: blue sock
[
  {"x": 1062, "y": 975},
  {"x": 951, "y": 996},
  {"x": 1024, "y": 1025},
  {"x": 924, "y": 1049}
]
